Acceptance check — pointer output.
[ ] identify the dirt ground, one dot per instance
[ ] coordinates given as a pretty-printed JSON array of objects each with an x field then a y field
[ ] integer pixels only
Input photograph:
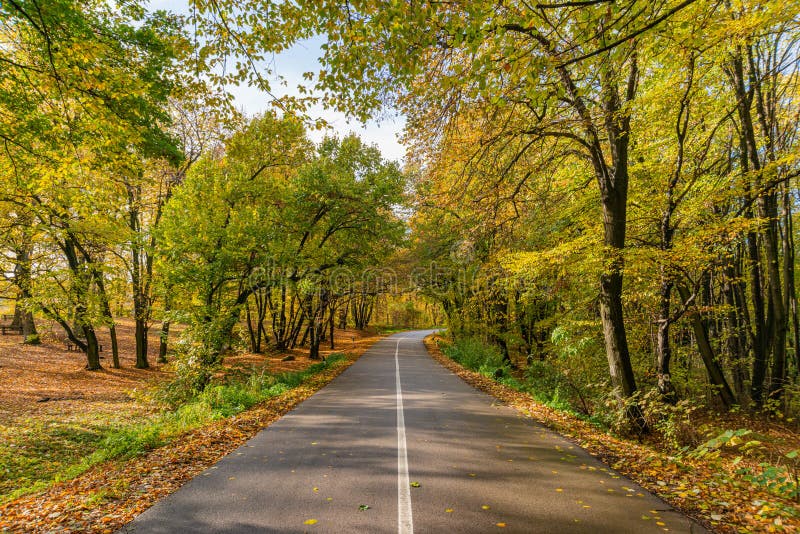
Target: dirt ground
[{"x": 47, "y": 379}]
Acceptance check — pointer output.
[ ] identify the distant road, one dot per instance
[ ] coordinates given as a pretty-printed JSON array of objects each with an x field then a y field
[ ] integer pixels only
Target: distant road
[{"x": 397, "y": 443}]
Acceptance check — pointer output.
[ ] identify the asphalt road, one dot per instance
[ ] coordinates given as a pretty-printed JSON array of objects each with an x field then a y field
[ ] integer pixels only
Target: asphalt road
[{"x": 399, "y": 444}]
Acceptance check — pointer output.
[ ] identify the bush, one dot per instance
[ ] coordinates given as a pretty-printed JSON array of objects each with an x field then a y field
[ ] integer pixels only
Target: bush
[
  {"x": 550, "y": 386},
  {"x": 33, "y": 339},
  {"x": 546, "y": 382},
  {"x": 673, "y": 422},
  {"x": 478, "y": 356}
]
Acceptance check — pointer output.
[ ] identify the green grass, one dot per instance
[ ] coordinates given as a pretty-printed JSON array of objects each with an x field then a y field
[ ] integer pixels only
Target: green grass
[
  {"x": 542, "y": 381},
  {"x": 35, "y": 453},
  {"x": 476, "y": 355}
]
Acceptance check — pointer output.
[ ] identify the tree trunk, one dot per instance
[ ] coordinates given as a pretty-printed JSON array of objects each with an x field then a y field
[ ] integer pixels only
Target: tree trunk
[
  {"x": 736, "y": 341},
  {"x": 715, "y": 374},
  {"x": 251, "y": 331},
  {"x": 663, "y": 348},
  {"x": 331, "y": 326},
  {"x": 22, "y": 278},
  {"x": 790, "y": 301},
  {"x": 749, "y": 160},
  {"x": 92, "y": 349},
  {"x": 163, "y": 340},
  {"x": 140, "y": 334},
  {"x": 314, "y": 339},
  {"x": 612, "y": 181},
  {"x": 112, "y": 329},
  {"x": 768, "y": 209},
  {"x": 611, "y": 314}
]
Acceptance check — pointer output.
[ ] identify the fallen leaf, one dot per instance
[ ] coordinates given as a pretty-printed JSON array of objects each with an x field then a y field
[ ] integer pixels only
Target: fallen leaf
[{"x": 310, "y": 522}]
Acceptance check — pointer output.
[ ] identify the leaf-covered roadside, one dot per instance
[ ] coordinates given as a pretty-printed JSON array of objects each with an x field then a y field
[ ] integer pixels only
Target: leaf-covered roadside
[
  {"x": 719, "y": 500},
  {"x": 110, "y": 494}
]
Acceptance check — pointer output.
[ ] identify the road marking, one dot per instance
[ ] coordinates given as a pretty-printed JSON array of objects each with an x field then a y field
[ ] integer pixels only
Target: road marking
[{"x": 405, "y": 524}]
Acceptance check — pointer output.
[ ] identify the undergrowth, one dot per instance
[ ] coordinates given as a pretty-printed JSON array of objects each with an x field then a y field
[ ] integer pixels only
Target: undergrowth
[{"x": 541, "y": 380}]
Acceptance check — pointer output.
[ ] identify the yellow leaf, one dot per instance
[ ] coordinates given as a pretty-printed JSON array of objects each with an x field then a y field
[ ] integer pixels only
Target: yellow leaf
[
  {"x": 310, "y": 522},
  {"x": 501, "y": 525},
  {"x": 485, "y": 506}
]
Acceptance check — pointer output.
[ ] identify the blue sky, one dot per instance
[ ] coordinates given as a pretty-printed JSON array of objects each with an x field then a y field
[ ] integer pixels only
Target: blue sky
[{"x": 291, "y": 65}]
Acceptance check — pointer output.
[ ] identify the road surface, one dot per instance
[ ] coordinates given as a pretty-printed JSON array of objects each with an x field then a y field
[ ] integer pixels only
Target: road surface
[{"x": 399, "y": 444}]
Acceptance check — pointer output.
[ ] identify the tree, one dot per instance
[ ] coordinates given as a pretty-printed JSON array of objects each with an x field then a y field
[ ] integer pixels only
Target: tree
[{"x": 82, "y": 96}]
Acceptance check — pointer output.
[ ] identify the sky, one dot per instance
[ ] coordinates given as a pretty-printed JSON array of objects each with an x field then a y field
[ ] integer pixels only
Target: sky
[{"x": 291, "y": 64}]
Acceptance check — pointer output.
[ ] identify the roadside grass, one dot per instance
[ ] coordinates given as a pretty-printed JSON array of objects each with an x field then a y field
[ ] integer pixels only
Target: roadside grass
[
  {"x": 37, "y": 452},
  {"x": 541, "y": 381}
]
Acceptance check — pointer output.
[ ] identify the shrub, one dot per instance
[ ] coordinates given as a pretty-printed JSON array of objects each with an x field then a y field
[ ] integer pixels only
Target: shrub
[
  {"x": 550, "y": 386},
  {"x": 476, "y": 355}
]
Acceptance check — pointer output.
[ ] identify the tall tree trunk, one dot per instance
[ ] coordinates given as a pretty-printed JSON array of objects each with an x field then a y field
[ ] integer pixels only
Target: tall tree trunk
[
  {"x": 611, "y": 314},
  {"x": 612, "y": 181},
  {"x": 112, "y": 328},
  {"x": 790, "y": 301},
  {"x": 23, "y": 318},
  {"x": 92, "y": 349},
  {"x": 163, "y": 341},
  {"x": 140, "y": 333},
  {"x": 343, "y": 315},
  {"x": 332, "y": 325},
  {"x": 735, "y": 339},
  {"x": 750, "y": 161},
  {"x": 769, "y": 212},
  {"x": 279, "y": 329},
  {"x": 663, "y": 348},
  {"x": 141, "y": 270},
  {"x": 714, "y": 370}
]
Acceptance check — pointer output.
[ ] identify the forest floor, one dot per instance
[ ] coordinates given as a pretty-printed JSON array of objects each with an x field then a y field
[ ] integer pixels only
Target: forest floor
[
  {"x": 53, "y": 413},
  {"x": 715, "y": 488}
]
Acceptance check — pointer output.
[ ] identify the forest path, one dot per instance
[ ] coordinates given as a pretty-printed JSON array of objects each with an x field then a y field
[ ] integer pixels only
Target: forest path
[{"x": 399, "y": 444}]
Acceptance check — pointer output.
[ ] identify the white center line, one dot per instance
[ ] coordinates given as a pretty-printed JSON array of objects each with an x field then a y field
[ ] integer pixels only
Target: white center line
[{"x": 405, "y": 524}]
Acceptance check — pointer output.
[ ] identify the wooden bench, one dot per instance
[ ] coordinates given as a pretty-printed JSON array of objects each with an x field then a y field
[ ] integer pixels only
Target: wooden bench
[
  {"x": 6, "y": 329},
  {"x": 73, "y": 347}
]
